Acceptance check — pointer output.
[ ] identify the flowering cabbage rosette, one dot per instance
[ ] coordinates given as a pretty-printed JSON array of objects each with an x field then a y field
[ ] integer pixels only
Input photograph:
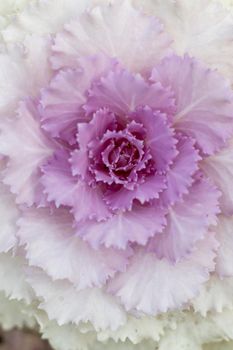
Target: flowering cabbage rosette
[{"x": 116, "y": 173}]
